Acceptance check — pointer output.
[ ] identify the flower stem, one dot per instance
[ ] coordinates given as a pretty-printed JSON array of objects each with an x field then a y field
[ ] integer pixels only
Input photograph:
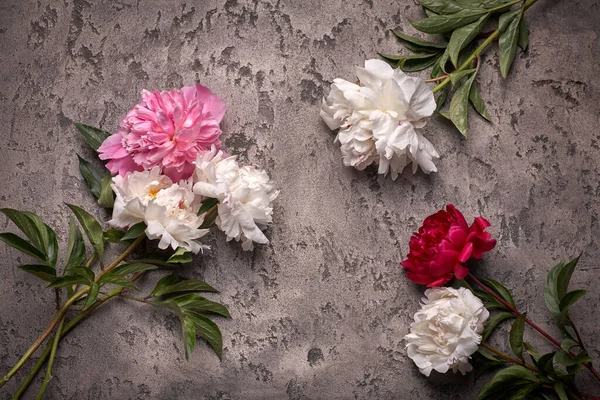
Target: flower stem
[
  {"x": 48, "y": 376},
  {"x": 63, "y": 311},
  {"x": 530, "y": 323},
  {"x": 67, "y": 328},
  {"x": 492, "y": 36},
  {"x": 508, "y": 358}
]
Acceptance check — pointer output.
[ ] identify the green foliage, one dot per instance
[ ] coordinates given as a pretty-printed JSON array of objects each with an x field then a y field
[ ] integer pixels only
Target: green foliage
[
  {"x": 91, "y": 227},
  {"x": 181, "y": 256},
  {"x": 461, "y": 23},
  {"x": 516, "y": 336},
  {"x": 181, "y": 296},
  {"x": 135, "y": 231},
  {"x": 207, "y": 205},
  {"x": 514, "y": 382},
  {"x": 493, "y": 322},
  {"x": 93, "y": 136}
]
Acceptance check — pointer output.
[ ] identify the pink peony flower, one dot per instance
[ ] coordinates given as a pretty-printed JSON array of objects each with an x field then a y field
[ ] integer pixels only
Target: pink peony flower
[{"x": 168, "y": 130}]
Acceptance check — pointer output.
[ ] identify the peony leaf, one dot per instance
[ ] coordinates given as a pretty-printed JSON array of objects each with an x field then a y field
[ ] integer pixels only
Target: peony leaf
[
  {"x": 113, "y": 235},
  {"x": 199, "y": 303},
  {"x": 559, "y": 388},
  {"x": 84, "y": 272},
  {"x": 91, "y": 227},
  {"x": 532, "y": 351},
  {"x": 503, "y": 292},
  {"x": 545, "y": 365},
  {"x": 523, "y": 39},
  {"x": 130, "y": 268},
  {"x": 92, "y": 295},
  {"x": 116, "y": 279},
  {"x": 493, "y": 322},
  {"x": 107, "y": 197},
  {"x": 462, "y": 36},
  {"x": 478, "y": 103},
  {"x": 207, "y": 205},
  {"x": 507, "y": 382},
  {"x": 41, "y": 271},
  {"x": 441, "y": 6},
  {"x": 135, "y": 231},
  {"x": 52, "y": 247},
  {"x": 507, "y": 43},
  {"x": 516, "y": 336},
  {"x": 418, "y": 45},
  {"x": 459, "y": 104},
  {"x": 69, "y": 280},
  {"x": 92, "y": 175},
  {"x": 567, "y": 344},
  {"x": 188, "y": 329},
  {"x": 22, "y": 245},
  {"x": 455, "y": 77},
  {"x": 557, "y": 284},
  {"x": 208, "y": 330},
  {"x": 32, "y": 226},
  {"x": 181, "y": 256},
  {"x": 570, "y": 298},
  {"x": 174, "y": 284},
  {"x": 441, "y": 99},
  {"x": 411, "y": 63},
  {"x": 447, "y": 23},
  {"x": 93, "y": 136}
]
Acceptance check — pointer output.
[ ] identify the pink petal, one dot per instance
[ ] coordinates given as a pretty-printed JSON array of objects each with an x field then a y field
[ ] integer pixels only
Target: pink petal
[
  {"x": 465, "y": 254},
  {"x": 460, "y": 271}
]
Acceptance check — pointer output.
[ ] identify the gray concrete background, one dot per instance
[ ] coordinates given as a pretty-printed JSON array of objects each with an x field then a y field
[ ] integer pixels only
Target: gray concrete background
[{"x": 320, "y": 312}]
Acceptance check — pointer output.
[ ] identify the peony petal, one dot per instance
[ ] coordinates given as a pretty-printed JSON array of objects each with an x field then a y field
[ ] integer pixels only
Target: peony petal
[
  {"x": 460, "y": 271},
  {"x": 465, "y": 254}
]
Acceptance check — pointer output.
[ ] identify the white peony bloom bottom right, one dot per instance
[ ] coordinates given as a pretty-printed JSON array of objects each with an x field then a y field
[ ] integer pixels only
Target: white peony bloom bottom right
[{"x": 447, "y": 330}]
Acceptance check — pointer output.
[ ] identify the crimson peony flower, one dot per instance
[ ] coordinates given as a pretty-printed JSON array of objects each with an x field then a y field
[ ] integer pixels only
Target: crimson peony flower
[
  {"x": 168, "y": 130},
  {"x": 443, "y": 244}
]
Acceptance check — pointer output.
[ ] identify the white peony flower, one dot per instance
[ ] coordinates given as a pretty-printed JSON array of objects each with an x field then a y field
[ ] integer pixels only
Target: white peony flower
[
  {"x": 446, "y": 331},
  {"x": 377, "y": 120},
  {"x": 168, "y": 209},
  {"x": 245, "y": 195}
]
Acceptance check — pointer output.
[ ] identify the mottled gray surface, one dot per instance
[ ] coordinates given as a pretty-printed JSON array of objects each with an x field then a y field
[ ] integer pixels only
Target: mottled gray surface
[{"x": 320, "y": 312}]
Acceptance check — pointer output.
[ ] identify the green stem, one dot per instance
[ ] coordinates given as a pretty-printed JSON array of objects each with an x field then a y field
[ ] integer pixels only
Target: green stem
[
  {"x": 63, "y": 311},
  {"x": 478, "y": 50},
  {"x": 48, "y": 376},
  {"x": 67, "y": 328}
]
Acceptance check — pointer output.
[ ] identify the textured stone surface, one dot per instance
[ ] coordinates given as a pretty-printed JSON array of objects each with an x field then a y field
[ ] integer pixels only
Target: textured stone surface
[{"x": 320, "y": 312}]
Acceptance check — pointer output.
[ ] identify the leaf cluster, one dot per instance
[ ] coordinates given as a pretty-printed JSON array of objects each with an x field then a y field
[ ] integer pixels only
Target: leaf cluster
[{"x": 462, "y": 23}]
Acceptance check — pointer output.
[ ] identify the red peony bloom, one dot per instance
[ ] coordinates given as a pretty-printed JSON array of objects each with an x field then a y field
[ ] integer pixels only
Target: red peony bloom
[{"x": 443, "y": 244}]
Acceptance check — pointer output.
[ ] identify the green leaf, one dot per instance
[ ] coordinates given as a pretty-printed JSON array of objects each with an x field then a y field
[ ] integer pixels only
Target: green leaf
[
  {"x": 483, "y": 362},
  {"x": 41, "y": 271},
  {"x": 563, "y": 279},
  {"x": 52, "y": 246},
  {"x": 208, "y": 330},
  {"x": 92, "y": 175},
  {"x": 91, "y": 227},
  {"x": 447, "y": 23},
  {"x": 107, "y": 197},
  {"x": 516, "y": 336},
  {"x": 411, "y": 63},
  {"x": 532, "y": 351},
  {"x": 559, "y": 388},
  {"x": 199, "y": 303},
  {"x": 574, "y": 369},
  {"x": 478, "y": 102},
  {"x": 441, "y": 99},
  {"x": 68, "y": 281},
  {"x": 523, "y": 39},
  {"x": 76, "y": 246},
  {"x": 455, "y": 77},
  {"x": 92, "y": 295},
  {"x": 506, "y": 381},
  {"x": 83, "y": 272},
  {"x": 135, "y": 231},
  {"x": 567, "y": 344},
  {"x": 181, "y": 256},
  {"x": 493, "y": 322},
  {"x": 165, "y": 287},
  {"x": 441, "y": 6},
  {"x": 188, "y": 329},
  {"x": 131, "y": 268},
  {"x": 507, "y": 43},
  {"x": 93, "y": 136},
  {"x": 545, "y": 365},
  {"x": 116, "y": 279},
  {"x": 417, "y": 45},
  {"x": 113, "y": 235},
  {"x": 207, "y": 205},
  {"x": 462, "y": 36},
  {"x": 503, "y": 292},
  {"x": 22, "y": 245},
  {"x": 31, "y": 225},
  {"x": 564, "y": 358},
  {"x": 458, "y": 106},
  {"x": 570, "y": 298},
  {"x": 208, "y": 222},
  {"x": 557, "y": 284}
]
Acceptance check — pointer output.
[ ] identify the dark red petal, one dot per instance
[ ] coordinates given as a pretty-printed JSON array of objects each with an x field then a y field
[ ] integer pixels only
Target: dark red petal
[
  {"x": 460, "y": 271},
  {"x": 457, "y": 236},
  {"x": 440, "y": 282},
  {"x": 481, "y": 223},
  {"x": 465, "y": 254}
]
